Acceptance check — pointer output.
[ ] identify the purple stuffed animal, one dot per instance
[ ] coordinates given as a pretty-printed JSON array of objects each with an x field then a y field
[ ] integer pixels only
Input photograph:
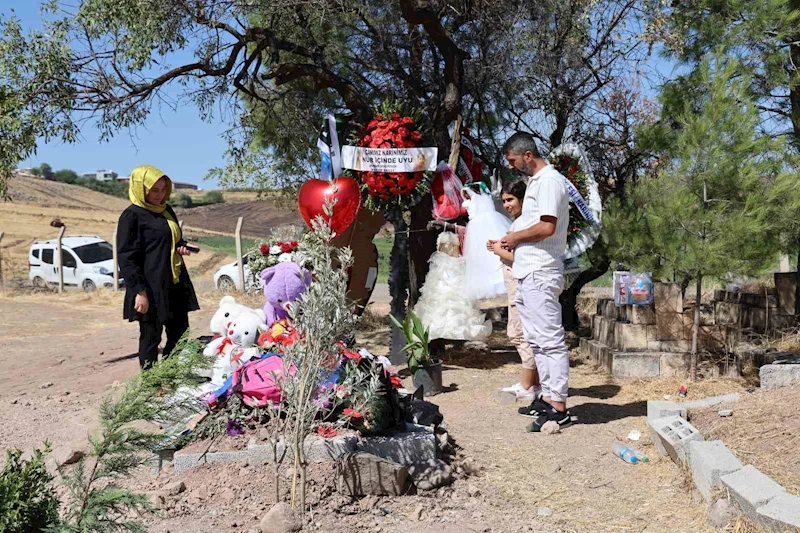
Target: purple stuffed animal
[{"x": 283, "y": 284}]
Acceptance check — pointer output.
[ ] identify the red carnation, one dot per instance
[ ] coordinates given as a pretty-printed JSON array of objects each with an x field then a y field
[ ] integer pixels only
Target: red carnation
[
  {"x": 403, "y": 132},
  {"x": 264, "y": 249},
  {"x": 286, "y": 247},
  {"x": 383, "y": 123},
  {"x": 365, "y": 140},
  {"x": 395, "y": 116},
  {"x": 393, "y": 125},
  {"x": 396, "y": 382},
  {"x": 402, "y": 181},
  {"x": 406, "y": 121},
  {"x": 326, "y": 432},
  {"x": 354, "y": 415},
  {"x": 385, "y": 145},
  {"x": 394, "y": 190},
  {"x": 294, "y": 244},
  {"x": 354, "y": 356},
  {"x": 416, "y": 136}
]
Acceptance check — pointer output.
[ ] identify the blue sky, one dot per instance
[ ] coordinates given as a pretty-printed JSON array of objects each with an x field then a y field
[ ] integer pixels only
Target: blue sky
[{"x": 178, "y": 142}]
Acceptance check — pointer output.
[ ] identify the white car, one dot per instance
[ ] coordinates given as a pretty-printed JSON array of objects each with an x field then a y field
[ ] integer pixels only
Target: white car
[
  {"x": 226, "y": 278},
  {"x": 87, "y": 262}
]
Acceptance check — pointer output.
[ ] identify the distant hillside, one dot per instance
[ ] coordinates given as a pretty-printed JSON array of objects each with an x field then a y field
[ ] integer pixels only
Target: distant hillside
[
  {"x": 260, "y": 216},
  {"x": 62, "y": 195}
]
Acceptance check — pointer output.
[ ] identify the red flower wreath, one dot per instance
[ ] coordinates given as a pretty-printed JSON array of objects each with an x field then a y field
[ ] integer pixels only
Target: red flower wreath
[{"x": 386, "y": 130}]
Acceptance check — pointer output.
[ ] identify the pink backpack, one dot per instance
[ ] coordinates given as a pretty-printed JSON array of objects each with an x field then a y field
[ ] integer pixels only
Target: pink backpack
[{"x": 258, "y": 382}]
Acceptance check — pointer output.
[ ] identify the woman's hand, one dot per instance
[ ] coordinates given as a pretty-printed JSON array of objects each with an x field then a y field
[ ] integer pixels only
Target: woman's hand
[
  {"x": 187, "y": 249},
  {"x": 490, "y": 245},
  {"x": 142, "y": 303}
]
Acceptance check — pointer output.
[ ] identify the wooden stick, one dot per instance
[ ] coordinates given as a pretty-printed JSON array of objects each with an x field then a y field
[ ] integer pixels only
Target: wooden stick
[
  {"x": 2, "y": 279},
  {"x": 455, "y": 146},
  {"x": 59, "y": 262},
  {"x": 239, "y": 253},
  {"x": 115, "y": 258}
]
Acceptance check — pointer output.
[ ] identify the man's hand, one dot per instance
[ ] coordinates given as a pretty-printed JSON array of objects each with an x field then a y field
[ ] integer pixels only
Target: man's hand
[
  {"x": 142, "y": 303},
  {"x": 510, "y": 241}
]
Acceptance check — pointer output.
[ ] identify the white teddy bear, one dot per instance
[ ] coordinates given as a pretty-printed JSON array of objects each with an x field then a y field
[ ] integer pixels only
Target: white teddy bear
[
  {"x": 228, "y": 311},
  {"x": 220, "y": 324},
  {"x": 238, "y": 346}
]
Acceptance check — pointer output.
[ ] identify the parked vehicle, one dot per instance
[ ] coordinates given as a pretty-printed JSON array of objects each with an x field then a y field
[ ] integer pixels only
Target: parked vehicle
[
  {"x": 87, "y": 262},
  {"x": 226, "y": 278}
]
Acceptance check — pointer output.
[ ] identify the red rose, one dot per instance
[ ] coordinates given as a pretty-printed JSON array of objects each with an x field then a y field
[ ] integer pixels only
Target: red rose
[
  {"x": 404, "y": 144},
  {"x": 372, "y": 124},
  {"x": 396, "y": 382},
  {"x": 264, "y": 249},
  {"x": 295, "y": 244},
  {"x": 375, "y": 142},
  {"x": 395, "y": 116},
  {"x": 365, "y": 140},
  {"x": 416, "y": 136},
  {"x": 403, "y": 132},
  {"x": 406, "y": 121},
  {"x": 383, "y": 123},
  {"x": 394, "y": 190},
  {"x": 402, "y": 181},
  {"x": 285, "y": 247},
  {"x": 385, "y": 145},
  {"x": 393, "y": 125}
]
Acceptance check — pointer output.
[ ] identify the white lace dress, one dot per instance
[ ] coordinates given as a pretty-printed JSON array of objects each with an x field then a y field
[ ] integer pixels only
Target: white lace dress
[{"x": 444, "y": 307}]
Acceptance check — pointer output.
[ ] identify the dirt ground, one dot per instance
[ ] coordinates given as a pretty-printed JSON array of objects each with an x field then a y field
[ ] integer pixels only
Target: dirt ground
[{"x": 62, "y": 354}]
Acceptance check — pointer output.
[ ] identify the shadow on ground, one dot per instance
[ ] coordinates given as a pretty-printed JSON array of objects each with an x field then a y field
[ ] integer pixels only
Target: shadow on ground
[
  {"x": 601, "y": 392},
  {"x": 602, "y": 413}
]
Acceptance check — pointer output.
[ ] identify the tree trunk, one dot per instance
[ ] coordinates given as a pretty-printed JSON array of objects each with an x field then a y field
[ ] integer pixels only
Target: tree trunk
[
  {"x": 569, "y": 298},
  {"x": 398, "y": 282},
  {"x": 797, "y": 287},
  {"x": 696, "y": 326}
]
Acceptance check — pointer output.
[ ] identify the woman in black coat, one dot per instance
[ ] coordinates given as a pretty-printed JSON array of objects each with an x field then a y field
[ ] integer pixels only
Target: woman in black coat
[{"x": 158, "y": 291}]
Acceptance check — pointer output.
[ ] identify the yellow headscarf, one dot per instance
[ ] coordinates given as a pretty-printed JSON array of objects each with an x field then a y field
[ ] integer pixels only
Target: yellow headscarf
[{"x": 142, "y": 180}]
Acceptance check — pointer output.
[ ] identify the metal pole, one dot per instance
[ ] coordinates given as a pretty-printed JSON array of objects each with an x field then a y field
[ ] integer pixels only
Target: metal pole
[
  {"x": 239, "y": 253},
  {"x": 59, "y": 261},
  {"x": 116, "y": 258}
]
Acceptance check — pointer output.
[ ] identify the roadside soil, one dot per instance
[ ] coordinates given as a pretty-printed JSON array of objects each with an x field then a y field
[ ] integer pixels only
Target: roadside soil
[{"x": 63, "y": 353}]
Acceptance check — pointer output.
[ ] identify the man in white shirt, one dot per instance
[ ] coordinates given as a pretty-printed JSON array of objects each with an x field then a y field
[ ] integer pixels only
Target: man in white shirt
[{"x": 539, "y": 246}]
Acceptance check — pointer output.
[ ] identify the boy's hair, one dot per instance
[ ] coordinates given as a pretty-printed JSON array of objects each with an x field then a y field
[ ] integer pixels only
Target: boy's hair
[{"x": 515, "y": 188}]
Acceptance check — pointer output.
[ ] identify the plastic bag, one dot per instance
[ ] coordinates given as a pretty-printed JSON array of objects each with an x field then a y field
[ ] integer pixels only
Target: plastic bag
[
  {"x": 633, "y": 288},
  {"x": 446, "y": 191},
  {"x": 640, "y": 288},
  {"x": 621, "y": 288}
]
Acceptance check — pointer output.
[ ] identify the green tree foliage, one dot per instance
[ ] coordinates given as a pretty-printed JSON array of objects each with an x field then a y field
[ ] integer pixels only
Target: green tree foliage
[
  {"x": 28, "y": 502},
  {"x": 66, "y": 176},
  {"x": 705, "y": 210},
  {"x": 213, "y": 197}
]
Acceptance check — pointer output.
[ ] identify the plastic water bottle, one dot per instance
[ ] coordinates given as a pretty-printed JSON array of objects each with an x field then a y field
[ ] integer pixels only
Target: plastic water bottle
[{"x": 623, "y": 452}]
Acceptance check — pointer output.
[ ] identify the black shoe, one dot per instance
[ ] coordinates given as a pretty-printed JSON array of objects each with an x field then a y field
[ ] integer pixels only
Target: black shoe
[
  {"x": 536, "y": 408},
  {"x": 562, "y": 418}
]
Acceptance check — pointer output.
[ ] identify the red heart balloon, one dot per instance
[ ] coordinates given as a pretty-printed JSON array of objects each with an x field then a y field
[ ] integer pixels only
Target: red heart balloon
[{"x": 313, "y": 194}]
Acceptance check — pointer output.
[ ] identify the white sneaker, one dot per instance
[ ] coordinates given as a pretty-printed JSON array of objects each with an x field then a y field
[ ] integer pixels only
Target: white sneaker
[{"x": 521, "y": 393}]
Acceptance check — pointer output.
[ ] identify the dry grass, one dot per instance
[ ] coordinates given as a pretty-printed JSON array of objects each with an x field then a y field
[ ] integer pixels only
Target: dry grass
[
  {"x": 788, "y": 341},
  {"x": 763, "y": 431}
]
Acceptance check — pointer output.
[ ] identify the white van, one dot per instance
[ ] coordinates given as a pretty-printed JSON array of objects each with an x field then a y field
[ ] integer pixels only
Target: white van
[
  {"x": 226, "y": 278},
  {"x": 87, "y": 260}
]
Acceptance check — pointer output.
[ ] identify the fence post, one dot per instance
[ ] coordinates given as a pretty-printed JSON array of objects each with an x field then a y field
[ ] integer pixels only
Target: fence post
[
  {"x": 2, "y": 279},
  {"x": 60, "y": 263},
  {"x": 116, "y": 258},
  {"x": 239, "y": 253}
]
